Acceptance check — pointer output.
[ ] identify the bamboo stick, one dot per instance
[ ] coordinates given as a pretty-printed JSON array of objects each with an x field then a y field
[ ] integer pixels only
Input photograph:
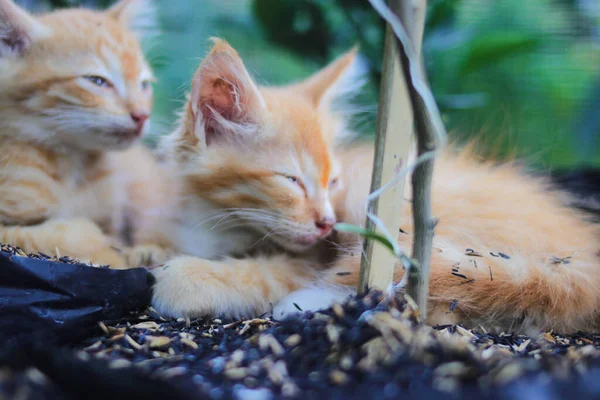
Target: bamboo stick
[{"x": 392, "y": 144}]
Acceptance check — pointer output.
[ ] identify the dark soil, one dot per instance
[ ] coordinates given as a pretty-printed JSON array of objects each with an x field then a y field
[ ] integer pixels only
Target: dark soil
[{"x": 368, "y": 348}]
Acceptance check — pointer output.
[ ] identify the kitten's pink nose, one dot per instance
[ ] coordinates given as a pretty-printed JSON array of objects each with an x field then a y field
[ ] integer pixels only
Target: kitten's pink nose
[
  {"x": 140, "y": 119},
  {"x": 325, "y": 225}
]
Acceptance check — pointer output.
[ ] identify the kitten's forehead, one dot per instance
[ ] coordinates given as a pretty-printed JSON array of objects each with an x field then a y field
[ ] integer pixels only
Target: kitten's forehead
[
  {"x": 305, "y": 130},
  {"x": 97, "y": 41}
]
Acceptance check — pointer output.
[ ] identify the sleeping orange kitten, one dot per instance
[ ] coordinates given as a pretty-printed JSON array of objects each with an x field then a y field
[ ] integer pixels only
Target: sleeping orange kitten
[
  {"x": 262, "y": 183},
  {"x": 75, "y": 97}
]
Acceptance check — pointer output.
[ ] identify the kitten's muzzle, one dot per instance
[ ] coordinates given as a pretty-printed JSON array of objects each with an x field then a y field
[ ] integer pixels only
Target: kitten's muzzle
[
  {"x": 139, "y": 118},
  {"x": 325, "y": 226}
]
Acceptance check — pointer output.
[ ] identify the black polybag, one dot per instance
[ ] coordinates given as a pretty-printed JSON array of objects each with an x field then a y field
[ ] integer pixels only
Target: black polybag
[
  {"x": 61, "y": 302},
  {"x": 47, "y": 306}
]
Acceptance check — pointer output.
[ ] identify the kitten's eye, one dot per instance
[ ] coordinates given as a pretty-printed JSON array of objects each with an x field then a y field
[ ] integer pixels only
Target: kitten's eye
[
  {"x": 292, "y": 179},
  {"x": 98, "y": 81},
  {"x": 146, "y": 85},
  {"x": 333, "y": 182}
]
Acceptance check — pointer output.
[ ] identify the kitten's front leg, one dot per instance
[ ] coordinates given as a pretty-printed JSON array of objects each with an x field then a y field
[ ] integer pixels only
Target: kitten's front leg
[
  {"x": 75, "y": 237},
  {"x": 193, "y": 287}
]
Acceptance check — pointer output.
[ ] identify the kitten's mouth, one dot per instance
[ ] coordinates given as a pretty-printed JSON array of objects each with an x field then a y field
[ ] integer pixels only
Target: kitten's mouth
[
  {"x": 125, "y": 137},
  {"x": 129, "y": 133},
  {"x": 307, "y": 240}
]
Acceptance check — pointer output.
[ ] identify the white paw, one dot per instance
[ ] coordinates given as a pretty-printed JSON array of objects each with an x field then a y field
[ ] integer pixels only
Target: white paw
[{"x": 310, "y": 299}]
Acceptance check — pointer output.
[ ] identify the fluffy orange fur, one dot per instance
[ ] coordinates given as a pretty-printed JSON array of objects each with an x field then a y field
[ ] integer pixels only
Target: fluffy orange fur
[
  {"x": 75, "y": 96},
  {"x": 261, "y": 179}
]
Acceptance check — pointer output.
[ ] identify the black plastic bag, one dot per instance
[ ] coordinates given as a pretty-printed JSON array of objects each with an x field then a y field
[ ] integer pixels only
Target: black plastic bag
[{"x": 61, "y": 302}]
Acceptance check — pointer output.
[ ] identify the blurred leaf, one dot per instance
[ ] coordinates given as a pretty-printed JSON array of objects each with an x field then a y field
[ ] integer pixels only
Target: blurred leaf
[
  {"x": 341, "y": 227},
  {"x": 441, "y": 13},
  {"x": 490, "y": 48},
  {"x": 297, "y": 25}
]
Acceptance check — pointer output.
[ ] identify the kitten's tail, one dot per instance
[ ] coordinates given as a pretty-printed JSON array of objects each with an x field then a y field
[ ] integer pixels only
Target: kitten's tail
[{"x": 516, "y": 292}]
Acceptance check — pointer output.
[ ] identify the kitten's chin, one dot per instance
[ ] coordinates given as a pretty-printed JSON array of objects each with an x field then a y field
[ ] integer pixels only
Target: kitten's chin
[
  {"x": 298, "y": 244},
  {"x": 102, "y": 141}
]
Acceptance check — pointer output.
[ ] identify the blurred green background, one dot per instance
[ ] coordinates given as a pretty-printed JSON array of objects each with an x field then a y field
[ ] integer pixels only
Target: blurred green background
[{"x": 522, "y": 76}]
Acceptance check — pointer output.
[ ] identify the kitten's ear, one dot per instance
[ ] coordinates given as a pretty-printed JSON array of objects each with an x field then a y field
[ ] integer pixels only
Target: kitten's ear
[
  {"x": 17, "y": 28},
  {"x": 341, "y": 79},
  {"x": 225, "y": 103},
  {"x": 137, "y": 15}
]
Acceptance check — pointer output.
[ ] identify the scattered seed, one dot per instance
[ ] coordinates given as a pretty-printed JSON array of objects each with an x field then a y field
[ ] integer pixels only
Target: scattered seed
[
  {"x": 472, "y": 253},
  {"x": 35, "y": 375},
  {"x": 338, "y": 310},
  {"x": 189, "y": 343},
  {"x": 558, "y": 260},
  {"x": 333, "y": 333},
  {"x": 119, "y": 363},
  {"x": 465, "y": 332},
  {"x": 133, "y": 343},
  {"x": 290, "y": 390},
  {"x": 236, "y": 373},
  {"x": 173, "y": 372},
  {"x": 293, "y": 340},
  {"x": 103, "y": 327},
  {"x": 453, "y": 306},
  {"x": 150, "y": 325},
  {"x": 549, "y": 337},
  {"x": 338, "y": 377},
  {"x": 116, "y": 337},
  {"x": 157, "y": 342}
]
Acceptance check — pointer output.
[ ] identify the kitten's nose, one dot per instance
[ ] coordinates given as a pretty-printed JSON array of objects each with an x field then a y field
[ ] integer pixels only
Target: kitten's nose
[
  {"x": 140, "y": 119},
  {"x": 325, "y": 225}
]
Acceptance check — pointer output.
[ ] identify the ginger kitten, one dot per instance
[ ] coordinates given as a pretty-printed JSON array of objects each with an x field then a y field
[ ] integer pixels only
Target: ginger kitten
[
  {"x": 75, "y": 97},
  {"x": 262, "y": 183}
]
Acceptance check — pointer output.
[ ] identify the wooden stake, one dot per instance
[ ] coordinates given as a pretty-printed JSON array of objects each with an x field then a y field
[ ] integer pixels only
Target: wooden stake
[{"x": 392, "y": 144}]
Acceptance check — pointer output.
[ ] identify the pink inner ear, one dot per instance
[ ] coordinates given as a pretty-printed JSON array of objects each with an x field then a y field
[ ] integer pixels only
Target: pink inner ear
[
  {"x": 224, "y": 95},
  {"x": 216, "y": 96},
  {"x": 219, "y": 97}
]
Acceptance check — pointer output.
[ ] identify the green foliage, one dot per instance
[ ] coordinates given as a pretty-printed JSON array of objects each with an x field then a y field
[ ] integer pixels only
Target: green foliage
[
  {"x": 511, "y": 74},
  {"x": 491, "y": 48},
  {"x": 366, "y": 233}
]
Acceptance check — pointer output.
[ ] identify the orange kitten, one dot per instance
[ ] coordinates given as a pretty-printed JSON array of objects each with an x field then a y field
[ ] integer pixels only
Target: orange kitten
[
  {"x": 75, "y": 97},
  {"x": 260, "y": 178}
]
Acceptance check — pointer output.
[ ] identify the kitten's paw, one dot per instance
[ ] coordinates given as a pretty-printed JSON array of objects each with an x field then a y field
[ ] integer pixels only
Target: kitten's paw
[
  {"x": 145, "y": 256},
  {"x": 77, "y": 238},
  {"x": 106, "y": 256},
  {"x": 83, "y": 239},
  {"x": 310, "y": 299},
  {"x": 186, "y": 287}
]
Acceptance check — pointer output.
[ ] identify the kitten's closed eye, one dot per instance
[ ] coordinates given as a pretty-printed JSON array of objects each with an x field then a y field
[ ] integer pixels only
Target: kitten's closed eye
[
  {"x": 293, "y": 179},
  {"x": 99, "y": 81},
  {"x": 146, "y": 84}
]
